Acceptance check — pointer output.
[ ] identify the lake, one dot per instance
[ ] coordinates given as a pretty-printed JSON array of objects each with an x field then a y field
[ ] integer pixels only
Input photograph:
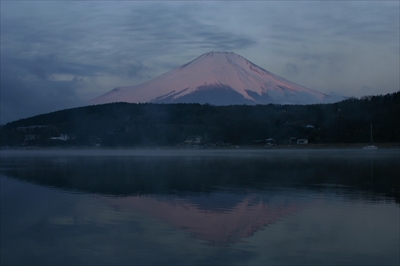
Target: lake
[{"x": 200, "y": 207}]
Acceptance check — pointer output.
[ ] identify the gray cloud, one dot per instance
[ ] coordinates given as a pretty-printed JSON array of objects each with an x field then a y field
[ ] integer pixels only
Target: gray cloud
[
  {"x": 370, "y": 21},
  {"x": 166, "y": 28},
  {"x": 61, "y": 54},
  {"x": 291, "y": 69},
  {"x": 30, "y": 96}
]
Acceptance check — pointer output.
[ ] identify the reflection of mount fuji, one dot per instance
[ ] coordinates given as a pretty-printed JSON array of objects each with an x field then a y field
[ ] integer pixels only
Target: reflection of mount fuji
[
  {"x": 238, "y": 217},
  {"x": 219, "y": 199}
]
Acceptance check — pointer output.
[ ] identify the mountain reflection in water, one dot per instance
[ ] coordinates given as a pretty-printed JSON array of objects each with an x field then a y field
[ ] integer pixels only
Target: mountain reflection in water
[
  {"x": 221, "y": 198},
  {"x": 217, "y": 226}
]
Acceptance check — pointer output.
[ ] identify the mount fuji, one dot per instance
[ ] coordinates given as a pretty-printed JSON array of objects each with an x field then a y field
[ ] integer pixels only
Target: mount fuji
[{"x": 217, "y": 78}]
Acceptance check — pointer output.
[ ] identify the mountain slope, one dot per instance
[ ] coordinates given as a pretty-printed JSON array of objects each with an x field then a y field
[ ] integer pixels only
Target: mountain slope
[{"x": 217, "y": 78}]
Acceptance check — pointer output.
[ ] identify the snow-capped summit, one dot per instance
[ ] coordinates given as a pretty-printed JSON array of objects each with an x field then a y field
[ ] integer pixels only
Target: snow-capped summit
[{"x": 217, "y": 78}]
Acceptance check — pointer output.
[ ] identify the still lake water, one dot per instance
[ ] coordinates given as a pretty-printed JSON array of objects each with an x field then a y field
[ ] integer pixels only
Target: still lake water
[{"x": 207, "y": 207}]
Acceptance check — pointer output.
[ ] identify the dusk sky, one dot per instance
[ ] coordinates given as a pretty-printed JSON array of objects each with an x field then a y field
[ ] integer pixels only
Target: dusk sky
[{"x": 61, "y": 54}]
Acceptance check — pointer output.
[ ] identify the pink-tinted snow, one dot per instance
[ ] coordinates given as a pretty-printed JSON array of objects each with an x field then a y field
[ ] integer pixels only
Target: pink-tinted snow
[{"x": 215, "y": 68}]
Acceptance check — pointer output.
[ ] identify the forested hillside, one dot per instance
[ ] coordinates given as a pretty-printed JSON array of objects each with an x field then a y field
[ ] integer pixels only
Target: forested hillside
[{"x": 125, "y": 124}]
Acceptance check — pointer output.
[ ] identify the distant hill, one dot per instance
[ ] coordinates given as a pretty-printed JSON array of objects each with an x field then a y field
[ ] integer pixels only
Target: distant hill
[
  {"x": 146, "y": 124},
  {"x": 217, "y": 78}
]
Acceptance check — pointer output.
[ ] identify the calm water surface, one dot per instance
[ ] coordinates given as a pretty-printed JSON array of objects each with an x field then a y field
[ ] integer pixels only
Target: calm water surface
[{"x": 132, "y": 207}]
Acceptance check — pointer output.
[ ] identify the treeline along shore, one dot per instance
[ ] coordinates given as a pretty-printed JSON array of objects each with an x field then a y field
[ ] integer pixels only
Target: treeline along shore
[{"x": 195, "y": 125}]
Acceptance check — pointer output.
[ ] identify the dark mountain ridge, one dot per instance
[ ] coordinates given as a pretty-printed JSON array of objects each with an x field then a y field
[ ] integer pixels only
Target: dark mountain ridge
[{"x": 129, "y": 124}]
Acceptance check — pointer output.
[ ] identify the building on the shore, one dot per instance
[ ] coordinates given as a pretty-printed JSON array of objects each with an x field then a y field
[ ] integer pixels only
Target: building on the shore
[{"x": 302, "y": 141}]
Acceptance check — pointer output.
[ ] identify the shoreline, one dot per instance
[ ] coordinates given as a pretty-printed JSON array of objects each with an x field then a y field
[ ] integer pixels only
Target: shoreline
[
  {"x": 179, "y": 150},
  {"x": 312, "y": 146}
]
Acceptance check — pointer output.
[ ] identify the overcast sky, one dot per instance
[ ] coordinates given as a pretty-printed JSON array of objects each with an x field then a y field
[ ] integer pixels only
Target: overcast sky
[{"x": 57, "y": 55}]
